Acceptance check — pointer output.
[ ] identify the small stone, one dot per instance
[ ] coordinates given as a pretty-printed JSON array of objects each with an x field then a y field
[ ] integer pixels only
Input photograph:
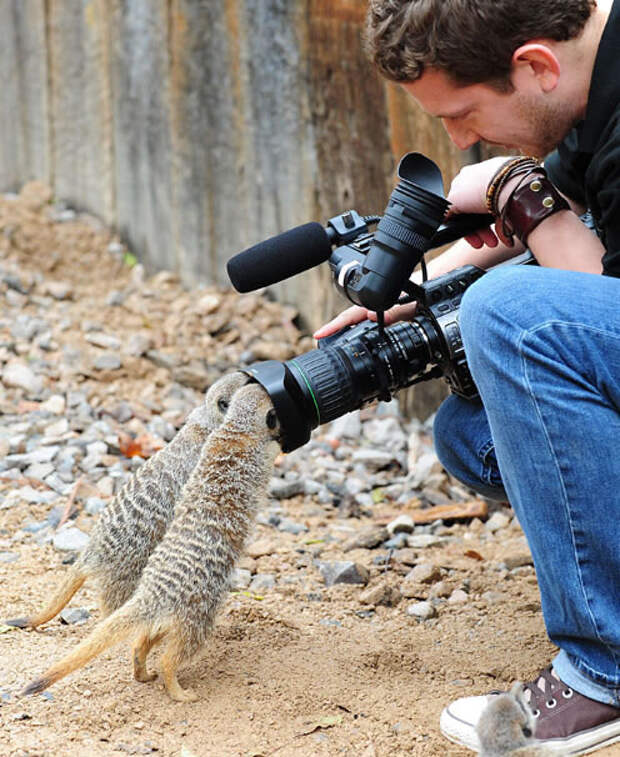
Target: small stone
[
  {"x": 20, "y": 376},
  {"x": 105, "y": 341},
  {"x": 346, "y": 427},
  {"x": 74, "y": 616},
  {"x": 115, "y": 298},
  {"x": 58, "y": 428},
  {"x": 59, "y": 290},
  {"x": 497, "y": 521},
  {"x": 70, "y": 539},
  {"x": 421, "y": 611},
  {"x": 424, "y": 573},
  {"x": 261, "y": 548},
  {"x": 518, "y": 561},
  {"x": 240, "y": 579},
  {"x": 343, "y": 573},
  {"x": 39, "y": 471},
  {"x": 421, "y": 541},
  {"x": 56, "y": 404},
  {"x": 396, "y": 542},
  {"x": 194, "y": 375},
  {"x": 7, "y": 557},
  {"x": 291, "y": 527},
  {"x": 402, "y": 524},
  {"x": 265, "y": 350},
  {"x": 283, "y": 489},
  {"x": 406, "y": 556},
  {"x": 138, "y": 345},
  {"x": 367, "y": 539},
  {"x": 458, "y": 597},
  {"x": 492, "y": 597},
  {"x": 94, "y": 505},
  {"x": 108, "y": 361},
  {"x": 262, "y": 582},
  {"x": 373, "y": 459},
  {"x": 441, "y": 589},
  {"x": 382, "y": 594}
]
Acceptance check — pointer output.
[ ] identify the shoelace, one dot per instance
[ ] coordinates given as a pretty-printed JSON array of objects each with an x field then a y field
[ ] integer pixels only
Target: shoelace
[{"x": 544, "y": 691}]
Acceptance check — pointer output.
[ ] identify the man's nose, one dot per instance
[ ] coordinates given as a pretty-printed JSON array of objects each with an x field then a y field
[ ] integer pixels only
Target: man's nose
[{"x": 462, "y": 137}]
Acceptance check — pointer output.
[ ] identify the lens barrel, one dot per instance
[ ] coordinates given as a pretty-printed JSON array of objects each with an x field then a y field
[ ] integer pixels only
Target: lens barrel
[{"x": 356, "y": 368}]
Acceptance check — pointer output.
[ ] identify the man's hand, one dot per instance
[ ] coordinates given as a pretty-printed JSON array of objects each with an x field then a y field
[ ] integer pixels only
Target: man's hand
[
  {"x": 356, "y": 314},
  {"x": 468, "y": 195}
]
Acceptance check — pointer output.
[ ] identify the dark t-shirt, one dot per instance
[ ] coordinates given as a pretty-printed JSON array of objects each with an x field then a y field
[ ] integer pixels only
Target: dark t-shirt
[{"x": 586, "y": 165}]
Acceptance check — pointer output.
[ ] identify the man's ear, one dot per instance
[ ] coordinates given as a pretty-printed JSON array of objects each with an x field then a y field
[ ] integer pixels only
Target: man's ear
[{"x": 535, "y": 64}]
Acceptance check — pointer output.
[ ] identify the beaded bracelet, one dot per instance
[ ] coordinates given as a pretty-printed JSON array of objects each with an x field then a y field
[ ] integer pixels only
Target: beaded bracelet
[{"x": 500, "y": 177}]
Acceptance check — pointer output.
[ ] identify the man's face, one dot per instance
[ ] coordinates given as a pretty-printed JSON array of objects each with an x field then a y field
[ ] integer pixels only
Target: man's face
[{"x": 520, "y": 120}]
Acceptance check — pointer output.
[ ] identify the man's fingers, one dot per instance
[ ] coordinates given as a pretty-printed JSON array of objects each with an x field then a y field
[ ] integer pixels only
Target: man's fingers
[
  {"x": 400, "y": 313},
  {"x": 348, "y": 317}
]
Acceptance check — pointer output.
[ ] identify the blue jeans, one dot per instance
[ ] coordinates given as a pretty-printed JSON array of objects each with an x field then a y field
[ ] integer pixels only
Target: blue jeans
[{"x": 544, "y": 349}]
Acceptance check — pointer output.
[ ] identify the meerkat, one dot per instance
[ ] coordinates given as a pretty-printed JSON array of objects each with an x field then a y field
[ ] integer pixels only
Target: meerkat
[
  {"x": 506, "y": 727},
  {"x": 134, "y": 522},
  {"x": 188, "y": 573}
]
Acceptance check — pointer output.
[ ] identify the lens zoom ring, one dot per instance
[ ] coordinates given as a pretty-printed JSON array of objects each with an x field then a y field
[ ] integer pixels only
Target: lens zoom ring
[
  {"x": 329, "y": 381},
  {"x": 402, "y": 233}
]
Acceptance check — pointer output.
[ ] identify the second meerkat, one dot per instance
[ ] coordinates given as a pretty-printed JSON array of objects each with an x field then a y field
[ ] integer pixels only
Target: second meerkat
[
  {"x": 188, "y": 573},
  {"x": 134, "y": 522}
]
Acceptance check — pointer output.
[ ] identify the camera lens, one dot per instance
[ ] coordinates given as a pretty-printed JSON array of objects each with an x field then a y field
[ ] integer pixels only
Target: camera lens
[{"x": 360, "y": 367}]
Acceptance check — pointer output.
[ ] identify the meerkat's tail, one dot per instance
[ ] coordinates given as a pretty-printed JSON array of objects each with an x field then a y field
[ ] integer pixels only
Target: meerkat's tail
[
  {"x": 73, "y": 581},
  {"x": 110, "y": 631}
]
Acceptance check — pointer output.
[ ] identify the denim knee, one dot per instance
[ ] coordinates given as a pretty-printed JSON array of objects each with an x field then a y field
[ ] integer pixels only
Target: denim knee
[{"x": 465, "y": 448}]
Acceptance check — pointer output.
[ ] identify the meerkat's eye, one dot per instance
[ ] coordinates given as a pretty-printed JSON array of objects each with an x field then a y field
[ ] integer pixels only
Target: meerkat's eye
[
  {"x": 272, "y": 419},
  {"x": 222, "y": 405}
]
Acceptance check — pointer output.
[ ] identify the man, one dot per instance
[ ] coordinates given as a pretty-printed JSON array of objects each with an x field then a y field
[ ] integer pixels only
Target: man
[{"x": 543, "y": 342}]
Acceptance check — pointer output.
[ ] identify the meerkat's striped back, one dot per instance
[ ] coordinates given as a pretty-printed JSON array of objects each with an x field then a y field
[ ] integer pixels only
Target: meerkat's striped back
[{"x": 135, "y": 521}]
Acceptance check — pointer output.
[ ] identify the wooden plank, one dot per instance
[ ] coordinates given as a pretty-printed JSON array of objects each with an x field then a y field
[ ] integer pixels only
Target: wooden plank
[
  {"x": 24, "y": 132},
  {"x": 139, "y": 64},
  {"x": 80, "y": 101}
]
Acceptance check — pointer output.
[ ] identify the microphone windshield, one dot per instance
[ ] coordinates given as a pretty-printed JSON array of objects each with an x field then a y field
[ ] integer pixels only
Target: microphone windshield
[{"x": 280, "y": 257}]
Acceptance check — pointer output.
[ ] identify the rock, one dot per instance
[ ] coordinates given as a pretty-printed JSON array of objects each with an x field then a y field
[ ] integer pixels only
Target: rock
[
  {"x": 291, "y": 527},
  {"x": 262, "y": 582},
  {"x": 264, "y": 350},
  {"x": 381, "y": 595},
  {"x": 343, "y": 573},
  {"x": 59, "y": 290},
  {"x": 70, "y": 539},
  {"x": 138, "y": 345},
  {"x": 458, "y": 597},
  {"x": 194, "y": 375},
  {"x": 347, "y": 426},
  {"x": 261, "y": 548},
  {"x": 105, "y": 341},
  {"x": 108, "y": 361},
  {"x": 283, "y": 489},
  {"x": 403, "y": 524},
  {"x": 373, "y": 459},
  {"x": 94, "y": 505},
  {"x": 56, "y": 404},
  {"x": 497, "y": 521},
  {"x": 25, "y": 328},
  {"x": 427, "y": 464},
  {"x": 240, "y": 579},
  {"x": 39, "y": 470},
  {"x": 406, "y": 556},
  {"x": 421, "y": 611},
  {"x": 58, "y": 428},
  {"x": 385, "y": 433},
  {"x": 396, "y": 542},
  {"x": 20, "y": 376},
  {"x": 421, "y": 541},
  {"x": 367, "y": 539},
  {"x": 116, "y": 298},
  {"x": 74, "y": 616},
  {"x": 424, "y": 573},
  {"x": 518, "y": 561},
  {"x": 35, "y": 195},
  {"x": 7, "y": 557}
]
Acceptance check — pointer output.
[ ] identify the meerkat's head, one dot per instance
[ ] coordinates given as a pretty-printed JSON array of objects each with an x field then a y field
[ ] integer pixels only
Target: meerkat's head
[
  {"x": 506, "y": 724},
  {"x": 252, "y": 412},
  {"x": 212, "y": 413}
]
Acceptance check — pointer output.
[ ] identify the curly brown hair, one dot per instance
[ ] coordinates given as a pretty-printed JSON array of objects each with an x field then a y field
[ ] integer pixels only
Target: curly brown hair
[{"x": 472, "y": 40}]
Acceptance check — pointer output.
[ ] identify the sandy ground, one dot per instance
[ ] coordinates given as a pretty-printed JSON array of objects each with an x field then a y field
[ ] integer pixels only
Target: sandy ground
[{"x": 275, "y": 679}]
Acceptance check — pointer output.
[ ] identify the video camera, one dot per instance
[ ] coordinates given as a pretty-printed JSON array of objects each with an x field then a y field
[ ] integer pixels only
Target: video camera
[{"x": 368, "y": 361}]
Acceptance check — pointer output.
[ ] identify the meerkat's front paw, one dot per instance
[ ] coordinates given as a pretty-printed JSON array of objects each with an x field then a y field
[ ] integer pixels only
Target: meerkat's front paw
[{"x": 144, "y": 676}]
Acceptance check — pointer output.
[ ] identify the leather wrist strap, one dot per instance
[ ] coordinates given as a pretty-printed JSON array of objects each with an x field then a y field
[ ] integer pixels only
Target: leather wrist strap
[
  {"x": 529, "y": 204},
  {"x": 510, "y": 167}
]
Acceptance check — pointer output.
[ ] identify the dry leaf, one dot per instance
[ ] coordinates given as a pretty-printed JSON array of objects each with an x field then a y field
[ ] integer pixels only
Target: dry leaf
[
  {"x": 474, "y": 555},
  {"x": 143, "y": 446},
  {"x": 476, "y": 508}
]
